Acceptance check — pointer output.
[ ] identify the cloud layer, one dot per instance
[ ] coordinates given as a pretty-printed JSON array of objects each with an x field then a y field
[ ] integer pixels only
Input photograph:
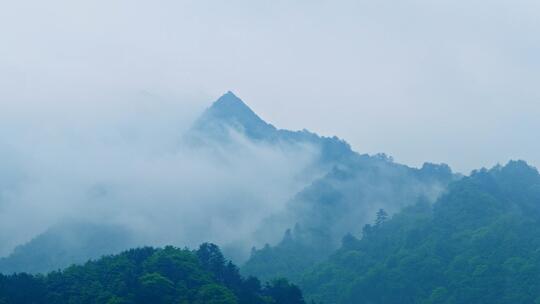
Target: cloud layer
[{"x": 134, "y": 169}]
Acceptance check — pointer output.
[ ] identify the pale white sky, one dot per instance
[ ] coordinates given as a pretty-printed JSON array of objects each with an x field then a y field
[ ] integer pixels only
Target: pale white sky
[{"x": 421, "y": 80}]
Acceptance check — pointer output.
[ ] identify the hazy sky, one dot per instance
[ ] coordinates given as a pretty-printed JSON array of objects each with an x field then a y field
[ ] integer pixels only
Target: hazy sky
[{"x": 433, "y": 80}]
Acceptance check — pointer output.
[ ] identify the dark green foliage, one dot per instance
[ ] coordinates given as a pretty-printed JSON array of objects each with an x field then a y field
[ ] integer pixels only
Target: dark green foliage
[
  {"x": 215, "y": 294},
  {"x": 148, "y": 275},
  {"x": 21, "y": 289},
  {"x": 156, "y": 288},
  {"x": 382, "y": 216},
  {"x": 290, "y": 257},
  {"x": 343, "y": 202},
  {"x": 283, "y": 292},
  {"x": 479, "y": 243}
]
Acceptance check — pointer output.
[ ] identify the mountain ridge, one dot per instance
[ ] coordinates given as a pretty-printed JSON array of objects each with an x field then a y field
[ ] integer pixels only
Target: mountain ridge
[
  {"x": 231, "y": 114},
  {"x": 341, "y": 167}
]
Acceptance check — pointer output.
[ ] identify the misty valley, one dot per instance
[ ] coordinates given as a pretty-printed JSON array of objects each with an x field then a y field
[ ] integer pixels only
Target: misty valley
[{"x": 235, "y": 210}]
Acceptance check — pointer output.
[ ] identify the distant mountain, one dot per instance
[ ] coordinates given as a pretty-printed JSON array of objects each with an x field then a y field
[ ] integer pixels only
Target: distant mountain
[
  {"x": 352, "y": 188},
  {"x": 344, "y": 190},
  {"x": 226, "y": 118},
  {"x": 230, "y": 114},
  {"x": 479, "y": 243},
  {"x": 65, "y": 244}
]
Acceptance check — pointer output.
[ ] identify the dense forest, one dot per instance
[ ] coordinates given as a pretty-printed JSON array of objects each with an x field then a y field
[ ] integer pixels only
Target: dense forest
[
  {"x": 362, "y": 229},
  {"x": 340, "y": 203},
  {"x": 269, "y": 152},
  {"x": 479, "y": 243},
  {"x": 148, "y": 275}
]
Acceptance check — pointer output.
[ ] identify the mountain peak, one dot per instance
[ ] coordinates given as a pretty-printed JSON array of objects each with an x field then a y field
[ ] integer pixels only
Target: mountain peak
[
  {"x": 230, "y": 94},
  {"x": 229, "y": 111},
  {"x": 230, "y": 105}
]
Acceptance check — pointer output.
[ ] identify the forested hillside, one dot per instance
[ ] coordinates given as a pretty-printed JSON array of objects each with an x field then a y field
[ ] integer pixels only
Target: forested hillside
[
  {"x": 364, "y": 229},
  {"x": 341, "y": 203},
  {"x": 317, "y": 188},
  {"x": 269, "y": 152},
  {"x": 148, "y": 275},
  {"x": 479, "y": 243}
]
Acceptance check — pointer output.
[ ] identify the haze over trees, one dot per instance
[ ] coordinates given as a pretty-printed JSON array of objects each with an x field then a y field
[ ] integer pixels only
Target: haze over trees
[
  {"x": 355, "y": 228},
  {"x": 479, "y": 243},
  {"x": 319, "y": 189},
  {"x": 269, "y": 152}
]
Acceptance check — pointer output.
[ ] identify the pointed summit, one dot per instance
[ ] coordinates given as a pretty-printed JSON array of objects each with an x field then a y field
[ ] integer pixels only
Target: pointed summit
[
  {"x": 230, "y": 112},
  {"x": 229, "y": 105}
]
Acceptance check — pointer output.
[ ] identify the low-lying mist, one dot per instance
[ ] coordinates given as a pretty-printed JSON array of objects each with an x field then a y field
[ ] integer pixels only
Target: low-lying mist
[{"x": 128, "y": 164}]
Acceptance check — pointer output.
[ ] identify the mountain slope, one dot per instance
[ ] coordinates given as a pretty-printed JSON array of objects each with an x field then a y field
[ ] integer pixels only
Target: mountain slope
[
  {"x": 66, "y": 244},
  {"x": 341, "y": 203},
  {"x": 343, "y": 191},
  {"x": 74, "y": 242},
  {"x": 479, "y": 243},
  {"x": 351, "y": 189}
]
